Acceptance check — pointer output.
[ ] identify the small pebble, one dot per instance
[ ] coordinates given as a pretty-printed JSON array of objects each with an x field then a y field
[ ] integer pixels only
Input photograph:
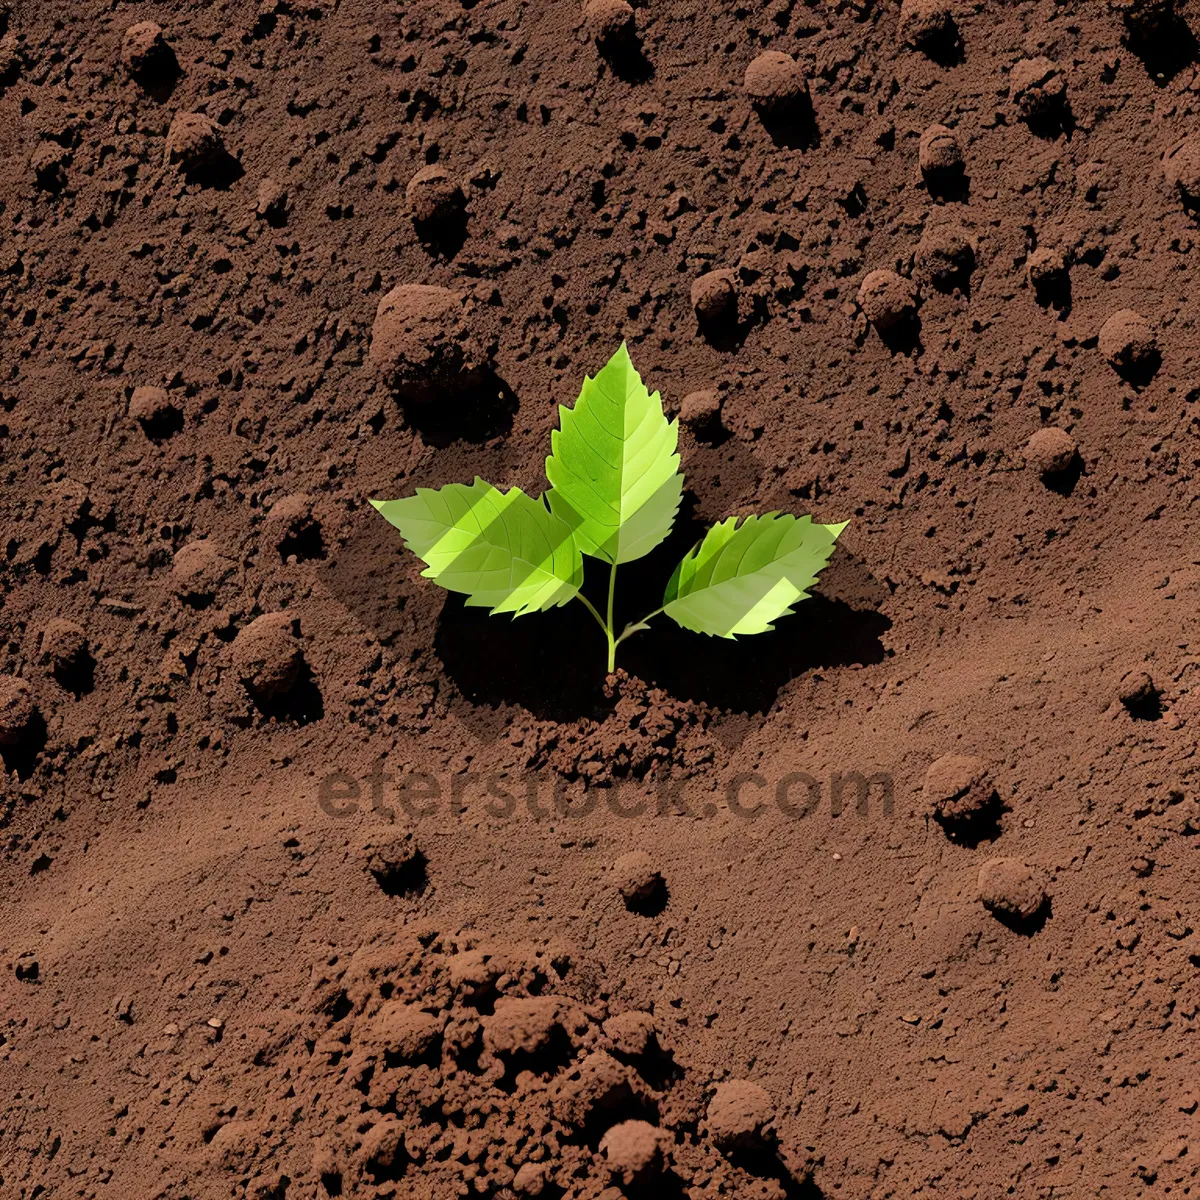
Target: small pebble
[
  {"x": 741, "y": 1116},
  {"x": 1011, "y": 888},
  {"x": 1037, "y": 86},
  {"x": 939, "y": 153},
  {"x": 434, "y": 196},
  {"x": 775, "y": 83},
  {"x": 1127, "y": 341},
  {"x": 634, "y": 1151},
  {"x": 924, "y": 23},
  {"x": 714, "y": 299},
  {"x": 1050, "y": 451},
  {"x": 16, "y": 710},
  {"x": 887, "y": 299},
  {"x": 636, "y": 876}
]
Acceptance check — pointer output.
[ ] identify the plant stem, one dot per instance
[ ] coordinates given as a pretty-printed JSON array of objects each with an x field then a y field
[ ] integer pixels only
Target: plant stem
[
  {"x": 607, "y": 625},
  {"x": 612, "y": 642}
]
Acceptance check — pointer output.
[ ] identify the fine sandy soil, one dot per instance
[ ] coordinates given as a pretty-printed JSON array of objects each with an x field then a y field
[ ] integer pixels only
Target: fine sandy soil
[{"x": 386, "y": 897}]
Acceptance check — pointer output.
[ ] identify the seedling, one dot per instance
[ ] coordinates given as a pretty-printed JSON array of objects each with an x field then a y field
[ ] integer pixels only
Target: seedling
[{"x": 615, "y": 489}]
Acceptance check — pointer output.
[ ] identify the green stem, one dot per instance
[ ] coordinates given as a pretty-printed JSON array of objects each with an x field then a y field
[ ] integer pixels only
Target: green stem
[
  {"x": 612, "y": 642},
  {"x": 637, "y": 626},
  {"x": 607, "y": 625},
  {"x": 592, "y": 609}
]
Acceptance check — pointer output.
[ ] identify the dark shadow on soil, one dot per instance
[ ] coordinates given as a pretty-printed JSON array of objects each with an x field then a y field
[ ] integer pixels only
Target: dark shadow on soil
[
  {"x": 653, "y": 903},
  {"x": 766, "y": 1165},
  {"x": 22, "y": 758},
  {"x": 219, "y": 173},
  {"x": 1026, "y": 926},
  {"x": 945, "y": 48},
  {"x": 1055, "y": 293},
  {"x": 902, "y": 338},
  {"x": 300, "y": 705},
  {"x": 370, "y": 575},
  {"x": 626, "y": 56},
  {"x": 1141, "y": 374},
  {"x": 479, "y": 408},
  {"x": 1166, "y": 51},
  {"x": 163, "y": 424},
  {"x": 77, "y": 677},
  {"x": 951, "y": 187},
  {"x": 305, "y": 543},
  {"x": 1063, "y": 482},
  {"x": 1055, "y": 122},
  {"x": 552, "y": 663},
  {"x": 443, "y": 237},
  {"x": 409, "y": 878},
  {"x": 159, "y": 77},
  {"x": 973, "y": 829},
  {"x": 793, "y": 126}
]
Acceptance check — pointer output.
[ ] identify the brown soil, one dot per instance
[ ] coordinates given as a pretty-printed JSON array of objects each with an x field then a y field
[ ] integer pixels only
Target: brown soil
[{"x": 225, "y": 976}]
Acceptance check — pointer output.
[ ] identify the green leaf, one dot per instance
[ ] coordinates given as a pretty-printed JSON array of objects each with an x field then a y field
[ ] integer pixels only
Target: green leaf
[
  {"x": 740, "y": 578},
  {"x": 613, "y": 466},
  {"x": 505, "y": 551}
]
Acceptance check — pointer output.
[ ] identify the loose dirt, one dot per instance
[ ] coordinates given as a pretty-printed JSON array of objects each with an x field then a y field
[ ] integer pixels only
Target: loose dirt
[{"x": 315, "y": 882}]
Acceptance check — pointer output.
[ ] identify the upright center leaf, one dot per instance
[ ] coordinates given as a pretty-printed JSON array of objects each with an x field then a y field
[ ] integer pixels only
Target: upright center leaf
[{"x": 613, "y": 467}]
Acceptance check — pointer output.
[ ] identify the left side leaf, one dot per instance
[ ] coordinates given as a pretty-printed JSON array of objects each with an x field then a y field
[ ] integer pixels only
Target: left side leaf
[{"x": 503, "y": 550}]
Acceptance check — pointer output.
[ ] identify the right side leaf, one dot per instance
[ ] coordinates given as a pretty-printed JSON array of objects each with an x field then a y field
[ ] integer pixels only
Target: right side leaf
[
  {"x": 503, "y": 550},
  {"x": 741, "y": 578}
]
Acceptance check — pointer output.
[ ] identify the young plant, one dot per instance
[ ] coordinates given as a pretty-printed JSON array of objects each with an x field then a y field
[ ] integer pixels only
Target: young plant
[{"x": 615, "y": 489}]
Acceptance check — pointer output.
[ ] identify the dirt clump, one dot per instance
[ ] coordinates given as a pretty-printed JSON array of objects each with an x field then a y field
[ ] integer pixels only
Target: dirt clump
[
  {"x": 925, "y": 23},
  {"x": 888, "y": 300},
  {"x": 16, "y": 710},
  {"x": 939, "y": 153},
  {"x": 634, "y": 1152},
  {"x": 1050, "y": 451},
  {"x": 267, "y": 655},
  {"x": 741, "y": 1116},
  {"x": 434, "y": 196},
  {"x": 714, "y": 300},
  {"x": 636, "y": 877},
  {"x": 421, "y": 341},
  {"x": 1181, "y": 164},
  {"x": 775, "y": 84},
  {"x": 1127, "y": 342},
  {"x": 198, "y": 570},
  {"x": 1011, "y": 888},
  {"x": 609, "y": 23},
  {"x": 946, "y": 255},
  {"x": 957, "y": 787},
  {"x": 64, "y": 644},
  {"x": 194, "y": 143},
  {"x": 144, "y": 50},
  {"x": 1038, "y": 86}
]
